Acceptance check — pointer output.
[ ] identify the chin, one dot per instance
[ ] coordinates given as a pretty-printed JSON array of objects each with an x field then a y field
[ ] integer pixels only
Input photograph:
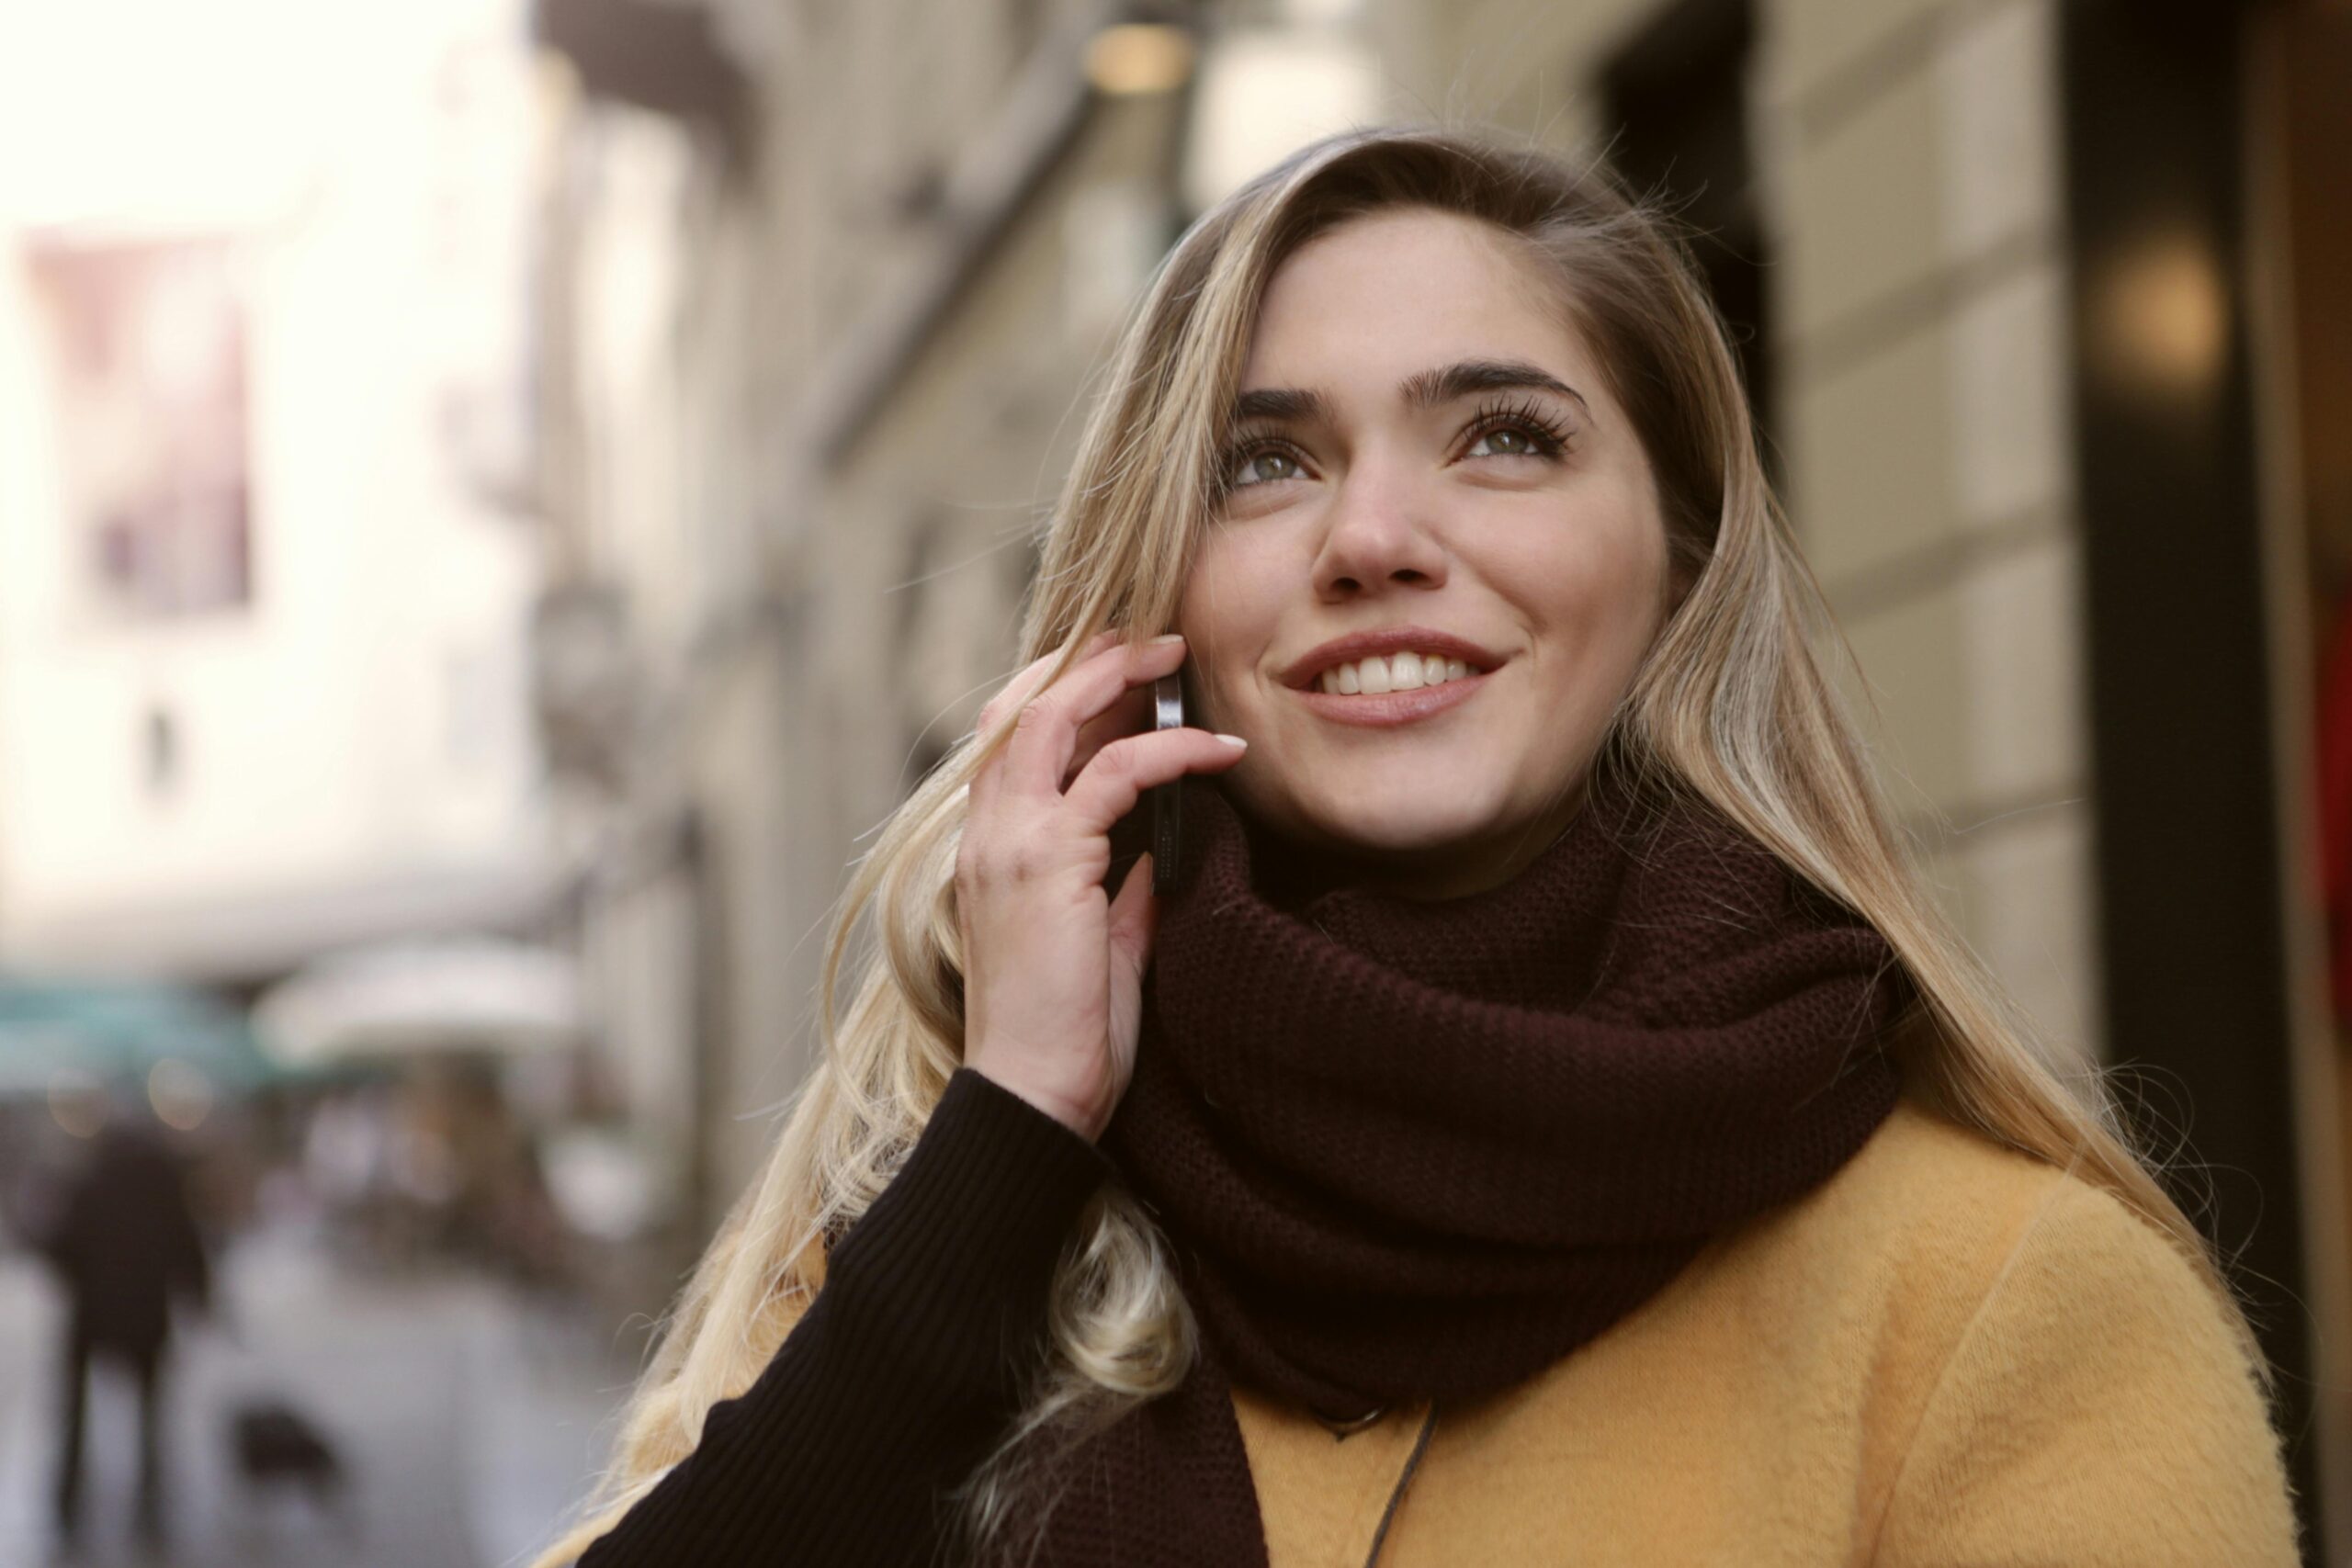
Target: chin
[{"x": 1422, "y": 816}]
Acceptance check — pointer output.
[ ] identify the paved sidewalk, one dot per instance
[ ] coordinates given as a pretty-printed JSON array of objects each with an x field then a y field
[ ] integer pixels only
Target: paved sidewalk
[{"x": 468, "y": 1421}]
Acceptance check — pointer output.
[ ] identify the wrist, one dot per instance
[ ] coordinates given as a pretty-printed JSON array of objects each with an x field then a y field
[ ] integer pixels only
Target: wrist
[{"x": 1075, "y": 1113}]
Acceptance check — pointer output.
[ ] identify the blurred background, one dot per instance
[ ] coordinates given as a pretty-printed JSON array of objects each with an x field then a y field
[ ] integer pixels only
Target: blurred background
[{"x": 498, "y": 497}]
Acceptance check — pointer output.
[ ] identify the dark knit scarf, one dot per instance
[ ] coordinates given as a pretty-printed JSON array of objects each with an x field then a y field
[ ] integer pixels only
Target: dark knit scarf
[{"x": 1423, "y": 1150}]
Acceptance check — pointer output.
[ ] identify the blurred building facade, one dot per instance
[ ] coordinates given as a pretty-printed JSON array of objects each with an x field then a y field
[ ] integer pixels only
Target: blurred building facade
[
  {"x": 266, "y": 555},
  {"x": 822, "y": 284}
]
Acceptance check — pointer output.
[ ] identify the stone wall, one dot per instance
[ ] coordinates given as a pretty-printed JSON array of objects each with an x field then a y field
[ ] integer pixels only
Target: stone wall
[{"x": 1915, "y": 153}]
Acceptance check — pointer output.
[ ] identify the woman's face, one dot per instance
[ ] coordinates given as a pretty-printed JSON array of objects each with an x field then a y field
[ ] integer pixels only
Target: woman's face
[{"x": 1440, "y": 561}]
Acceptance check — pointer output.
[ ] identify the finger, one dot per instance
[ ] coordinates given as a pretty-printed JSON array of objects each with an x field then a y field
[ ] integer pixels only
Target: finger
[
  {"x": 1016, "y": 693},
  {"x": 1032, "y": 675},
  {"x": 1129, "y": 714},
  {"x": 1113, "y": 783},
  {"x": 1045, "y": 736}
]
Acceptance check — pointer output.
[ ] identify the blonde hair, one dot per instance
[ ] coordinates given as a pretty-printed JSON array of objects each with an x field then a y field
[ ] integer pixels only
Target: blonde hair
[{"x": 1732, "y": 707}]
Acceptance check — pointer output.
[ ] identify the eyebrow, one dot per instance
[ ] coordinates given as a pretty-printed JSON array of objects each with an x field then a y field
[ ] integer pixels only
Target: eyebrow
[{"x": 1422, "y": 390}]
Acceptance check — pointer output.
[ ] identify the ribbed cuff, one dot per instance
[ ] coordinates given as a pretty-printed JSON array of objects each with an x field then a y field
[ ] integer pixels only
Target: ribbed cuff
[{"x": 988, "y": 1194}]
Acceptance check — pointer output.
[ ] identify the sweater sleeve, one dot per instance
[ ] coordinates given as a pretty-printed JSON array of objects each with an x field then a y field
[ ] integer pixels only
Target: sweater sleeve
[
  {"x": 903, "y": 1370},
  {"x": 2097, "y": 1410}
]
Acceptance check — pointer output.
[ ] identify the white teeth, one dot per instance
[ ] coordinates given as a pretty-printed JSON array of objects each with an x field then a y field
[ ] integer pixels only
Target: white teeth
[{"x": 1402, "y": 673}]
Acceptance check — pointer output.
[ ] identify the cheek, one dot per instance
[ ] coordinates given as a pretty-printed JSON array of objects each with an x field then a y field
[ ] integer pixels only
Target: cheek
[
  {"x": 1592, "y": 590},
  {"x": 1230, "y": 611}
]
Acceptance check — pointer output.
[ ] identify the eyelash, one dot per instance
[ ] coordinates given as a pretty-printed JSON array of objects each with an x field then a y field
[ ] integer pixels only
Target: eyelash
[{"x": 1523, "y": 414}]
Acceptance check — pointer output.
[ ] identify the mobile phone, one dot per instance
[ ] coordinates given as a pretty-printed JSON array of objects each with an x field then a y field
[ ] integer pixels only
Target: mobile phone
[{"x": 1167, "y": 804}]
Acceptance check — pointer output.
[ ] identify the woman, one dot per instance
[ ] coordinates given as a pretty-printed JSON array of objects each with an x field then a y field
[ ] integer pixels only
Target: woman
[{"x": 1548, "y": 1124}]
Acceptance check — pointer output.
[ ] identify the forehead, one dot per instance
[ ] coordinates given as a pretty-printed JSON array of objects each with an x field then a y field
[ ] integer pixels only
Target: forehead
[{"x": 1391, "y": 293}]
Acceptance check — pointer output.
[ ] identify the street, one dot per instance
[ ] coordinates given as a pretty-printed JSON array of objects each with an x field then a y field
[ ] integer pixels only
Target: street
[{"x": 467, "y": 1420}]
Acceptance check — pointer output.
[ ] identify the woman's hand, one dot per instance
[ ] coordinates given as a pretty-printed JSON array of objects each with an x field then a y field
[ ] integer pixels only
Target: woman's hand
[{"x": 1053, "y": 965}]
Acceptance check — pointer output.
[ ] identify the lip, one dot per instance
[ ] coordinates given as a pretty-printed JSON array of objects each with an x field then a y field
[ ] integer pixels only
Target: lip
[
  {"x": 1392, "y": 708},
  {"x": 1301, "y": 674}
]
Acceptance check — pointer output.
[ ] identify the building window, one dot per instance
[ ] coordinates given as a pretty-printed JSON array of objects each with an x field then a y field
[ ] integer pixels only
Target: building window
[{"x": 148, "y": 349}]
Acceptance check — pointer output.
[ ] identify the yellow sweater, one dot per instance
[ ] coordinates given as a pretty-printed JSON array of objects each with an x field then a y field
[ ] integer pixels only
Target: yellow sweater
[{"x": 1949, "y": 1355}]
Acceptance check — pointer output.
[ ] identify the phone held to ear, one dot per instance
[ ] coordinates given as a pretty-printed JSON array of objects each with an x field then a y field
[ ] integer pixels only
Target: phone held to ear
[{"x": 1167, "y": 803}]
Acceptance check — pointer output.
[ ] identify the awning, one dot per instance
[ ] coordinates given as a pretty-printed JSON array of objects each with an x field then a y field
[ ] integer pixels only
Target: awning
[
  {"x": 55, "y": 1035},
  {"x": 470, "y": 996}
]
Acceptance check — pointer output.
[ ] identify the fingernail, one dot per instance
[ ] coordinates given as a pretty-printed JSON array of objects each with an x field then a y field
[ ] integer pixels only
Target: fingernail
[
  {"x": 1233, "y": 740},
  {"x": 1167, "y": 637}
]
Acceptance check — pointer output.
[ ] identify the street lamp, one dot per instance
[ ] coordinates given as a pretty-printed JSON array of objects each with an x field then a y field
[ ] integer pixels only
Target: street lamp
[{"x": 1134, "y": 58}]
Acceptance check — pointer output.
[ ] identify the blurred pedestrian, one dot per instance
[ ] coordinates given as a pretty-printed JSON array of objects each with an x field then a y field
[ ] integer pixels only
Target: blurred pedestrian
[{"x": 125, "y": 1243}]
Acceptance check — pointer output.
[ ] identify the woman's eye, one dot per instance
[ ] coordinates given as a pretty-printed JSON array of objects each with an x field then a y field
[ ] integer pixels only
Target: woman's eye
[
  {"x": 1264, "y": 467},
  {"x": 1506, "y": 441}
]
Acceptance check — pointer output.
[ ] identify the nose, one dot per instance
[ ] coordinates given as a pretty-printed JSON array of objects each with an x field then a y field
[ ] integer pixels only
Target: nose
[{"x": 1377, "y": 540}]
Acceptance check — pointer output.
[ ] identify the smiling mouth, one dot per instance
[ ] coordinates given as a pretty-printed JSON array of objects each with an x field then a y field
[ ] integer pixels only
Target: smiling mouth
[
  {"x": 1388, "y": 659},
  {"x": 1383, "y": 673},
  {"x": 1381, "y": 710}
]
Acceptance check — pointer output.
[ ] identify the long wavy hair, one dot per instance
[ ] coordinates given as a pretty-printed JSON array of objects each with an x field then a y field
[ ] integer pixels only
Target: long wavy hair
[{"x": 1732, "y": 707}]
